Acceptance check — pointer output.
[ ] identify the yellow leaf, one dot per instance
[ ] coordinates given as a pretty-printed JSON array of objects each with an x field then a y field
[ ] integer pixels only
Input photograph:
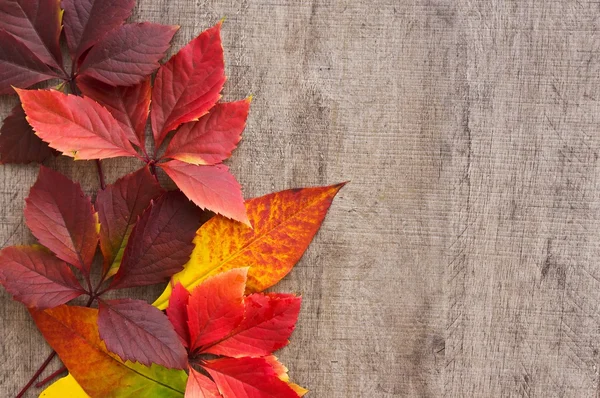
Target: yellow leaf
[{"x": 65, "y": 387}]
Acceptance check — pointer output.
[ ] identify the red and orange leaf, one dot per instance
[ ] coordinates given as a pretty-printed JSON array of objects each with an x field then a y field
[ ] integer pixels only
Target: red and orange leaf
[
  {"x": 36, "y": 278},
  {"x": 73, "y": 333},
  {"x": 189, "y": 84},
  {"x": 284, "y": 225},
  {"x": 62, "y": 218},
  {"x": 200, "y": 386},
  {"x": 87, "y": 21},
  {"x": 18, "y": 142},
  {"x": 269, "y": 320},
  {"x": 129, "y": 105},
  {"x": 139, "y": 332},
  {"x": 211, "y": 139},
  {"x": 37, "y": 24},
  {"x": 177, "y": 313},
  {"x": 119, "y": 206},
  {"x": 19, "y": 67},
  {"x": 216, "y": 308},
  {"x": 282, "y": 372},
  {"x": 128, "y": 54},
  {"x": 210, "y": 187},
  {"x": 78, "y": 127},
  {"x": 247, "y": 378},
  {"x": 160, "y": 243}
]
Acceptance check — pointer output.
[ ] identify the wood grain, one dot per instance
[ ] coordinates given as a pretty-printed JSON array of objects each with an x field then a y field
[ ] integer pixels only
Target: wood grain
[{"x": 462, "y": 259}]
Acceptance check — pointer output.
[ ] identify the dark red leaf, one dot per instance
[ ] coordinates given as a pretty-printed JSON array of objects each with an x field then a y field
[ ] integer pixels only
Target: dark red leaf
[
  {"x": 36, "y": 278},
  {"x": 19, "y": 67},
  {"x": 87, "y": 21},
  {"x": 188, "y": 85},
  {"x": 119, "y": 206},
  {"x": 128, "y": 54},
  {"x": 160, "y": 243},
  {"x": 269, "y": 320},
  {"x": 210, "y": 187},
  {"x": 18, "y": 142},
  {"x": 137, "y": 331},
  {"x": 62, "y": 218},
  {"x": 200, "y": 386},
  {"x": 211, "y": 139},
  {"x": 129, "y": 105},
  {"x": 37, "y": 24},
  {"x": 177, "y": 312},
  {"x": 247, "y": 378}
]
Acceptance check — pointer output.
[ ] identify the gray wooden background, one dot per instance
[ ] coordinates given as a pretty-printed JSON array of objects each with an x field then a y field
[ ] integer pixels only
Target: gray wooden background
[{"x": 463, "y": 258}]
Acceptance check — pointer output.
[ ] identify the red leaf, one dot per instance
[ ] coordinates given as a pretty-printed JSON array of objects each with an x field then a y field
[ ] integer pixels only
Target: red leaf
[
  {"x": 160, "y": 243},
  {"x": 200, "y": 386},
  {"x": 269, "y": 320},
  {"x": 36, "y": 278},
  {"x": 216, "y": 307},
  {"x": 210, "y": 187},
  {"x": 247, "y": 378},
  {"x": 129, "y": 105},
  {"x": 188, "y": 85},
  {"x": 18, "y": 142},
  {"x": 76, "y": 126},
  {"x": 128, "y": 54},
  {"x": 62, "y": 218},
  {"x": 119, "y": 206},
  {"x": 211, "y": 139},
  {"x": 37, "y": 24},
  {"x": 177, "y": 313},
  {"x": 19, "y": 67},
  {"x": 87, "y": 21},
  {"x": 137, "y": 331}
]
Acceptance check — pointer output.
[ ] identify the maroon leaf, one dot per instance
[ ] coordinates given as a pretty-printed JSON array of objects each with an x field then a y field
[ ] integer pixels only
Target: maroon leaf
[
  {"x": 86, "y": 21},
  {"x": 137, "y": 331},
  {"x": 211, "y": 139},
  {"x": 128, "y": 54},
  {"x": 18, "y": 142},
  {"x": 177, "y": 312},
  {"x": 62, "y": 218},
  {"x": 160, "y": 243},
  {"x": 37, "y": 24},
  {"x": 129, "y": 105},
  {"x": 36, "y": 278},
  {"x": 19, "y": 67},
  {"x": 119, "y": 207}
]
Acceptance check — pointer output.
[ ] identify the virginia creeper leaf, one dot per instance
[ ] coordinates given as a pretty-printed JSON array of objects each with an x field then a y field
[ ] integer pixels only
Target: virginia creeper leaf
[
  {"x": 37, "y": 24},
  {"x": 177, "y": 313},
  {"x": 210, "y": 187},
  {"x": 36, "y": 278},
  {"x": 216, "y": 307},
  {"x": 18, "y": 142},
  {"x": 247, "y": 378},
  {"x": 200, "y": 386},
  {"x": 77, "y": 126},
  {"x": 211, "y": 139},
  {"x": 284, "y": 225},
  {"x": 137, "y": 331},
  {"x": 87, "y": 21},
  {"x": 160, "y": 243},
  {"x": 64, "y": 387},
  {"x": 282, "y": 372},
  {"x": 128, "y": 54},
  {"x": 62, "y": 218},
  {"x": 73, "y": 333},
  {"x": 129, "y": 105},
  {"x": 19, "y": 67},
  {"x": 119, "y": 206},
  {"x": 188, "y": 85},
  {"x": 269, "y": 320}
]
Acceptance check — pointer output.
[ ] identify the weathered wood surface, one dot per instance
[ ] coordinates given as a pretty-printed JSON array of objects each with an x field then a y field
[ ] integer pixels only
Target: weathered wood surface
[{"x": 463, "y": 258}]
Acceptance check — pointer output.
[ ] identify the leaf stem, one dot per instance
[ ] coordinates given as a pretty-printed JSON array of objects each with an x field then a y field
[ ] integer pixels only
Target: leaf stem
[
  {"x": 37, "y": 374},
  {"x": 100, "y": 174},
  {"x": 51, "y": 377}
]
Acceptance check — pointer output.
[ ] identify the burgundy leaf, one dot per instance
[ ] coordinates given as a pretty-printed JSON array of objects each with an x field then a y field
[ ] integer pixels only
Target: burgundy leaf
[
  {"x": 128, "y": 54},
  {"x": 177, "y": 312},
  {"x": 137, "y": 331},
  {"x": 160, "y": 243},
  {"x": 119, "y": 206},
  {"x": 18, "y": 142},
  {"x": 36, "y": 278}
]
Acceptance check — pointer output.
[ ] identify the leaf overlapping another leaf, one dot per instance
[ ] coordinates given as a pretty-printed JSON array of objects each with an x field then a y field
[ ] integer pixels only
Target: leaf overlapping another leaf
[{"x": 18, "y": 142}]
